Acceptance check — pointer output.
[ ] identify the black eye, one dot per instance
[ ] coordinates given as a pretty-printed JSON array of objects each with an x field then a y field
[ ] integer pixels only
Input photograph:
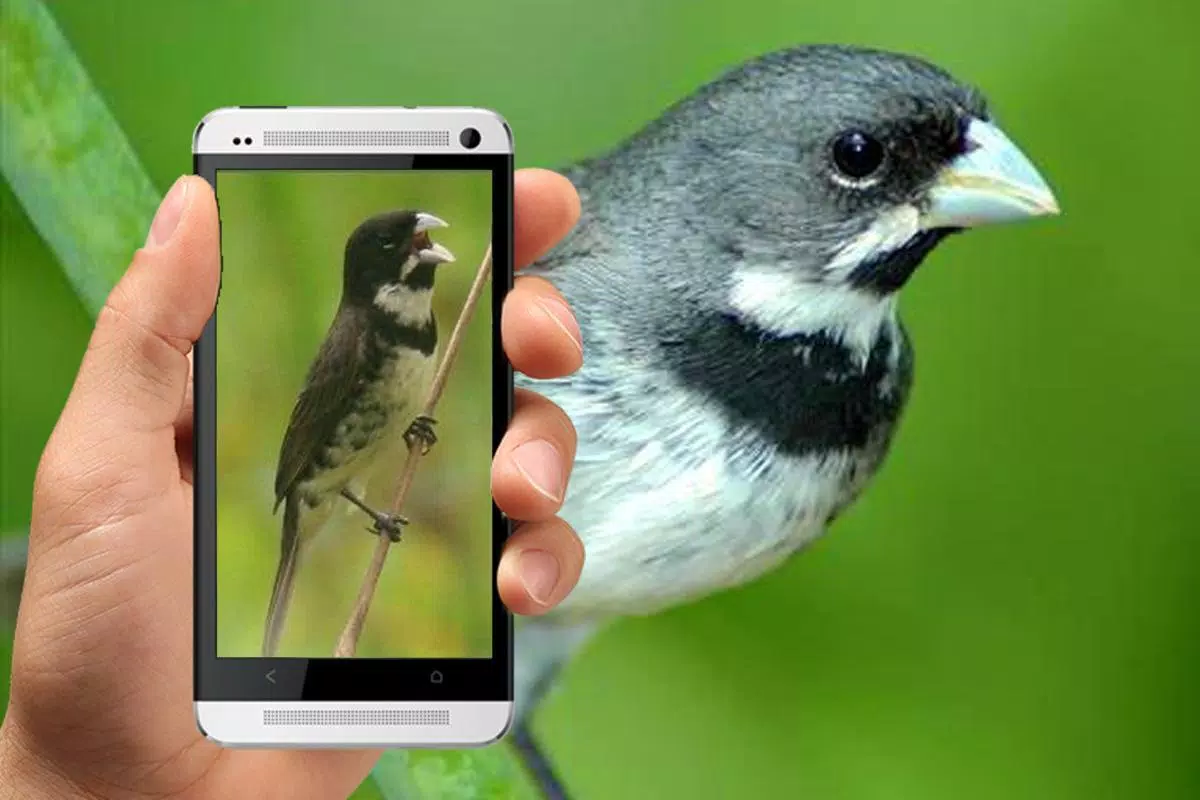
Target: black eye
[
  {"x": 386, "y": 242},
  {"x": 857, "y": 154}
]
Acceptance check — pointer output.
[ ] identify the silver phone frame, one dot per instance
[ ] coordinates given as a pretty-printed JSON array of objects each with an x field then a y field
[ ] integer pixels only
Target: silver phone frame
[{"x": 242, "y": 723}]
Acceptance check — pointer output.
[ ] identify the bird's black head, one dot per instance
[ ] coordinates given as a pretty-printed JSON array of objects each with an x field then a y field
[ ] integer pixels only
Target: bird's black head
[
  {"x": 827, "y": 167},
  {"x": 392, "y": 252}
]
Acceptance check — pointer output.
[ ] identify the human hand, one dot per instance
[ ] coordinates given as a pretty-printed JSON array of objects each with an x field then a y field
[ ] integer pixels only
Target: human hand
[{"x": 101, "y": 702}]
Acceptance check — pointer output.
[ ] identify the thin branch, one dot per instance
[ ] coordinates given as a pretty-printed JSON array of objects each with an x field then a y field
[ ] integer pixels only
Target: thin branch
[{"x": 348, "y": 641}]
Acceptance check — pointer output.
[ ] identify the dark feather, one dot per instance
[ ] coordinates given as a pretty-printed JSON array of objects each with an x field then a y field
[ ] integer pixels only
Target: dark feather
[
  {"x": 326, "y": 399},
  {"x": 285, "y": 575}
]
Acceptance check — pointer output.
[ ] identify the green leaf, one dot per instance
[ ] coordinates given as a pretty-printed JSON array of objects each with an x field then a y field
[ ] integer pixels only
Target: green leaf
[
  {"x": 87, "y": 194},
  {"x": 65, "y": 156},
  {"x": 367, "y": 790},
  {"x": 482, "y": 774},
  {"x": 392, "y": 776}
]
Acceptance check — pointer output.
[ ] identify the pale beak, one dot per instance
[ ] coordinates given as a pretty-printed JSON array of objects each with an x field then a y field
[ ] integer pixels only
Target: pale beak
[
  {"x": 435, "y": 254},
  {"x": 427, "y": 221},
  {"x": 992, "y": 182}
]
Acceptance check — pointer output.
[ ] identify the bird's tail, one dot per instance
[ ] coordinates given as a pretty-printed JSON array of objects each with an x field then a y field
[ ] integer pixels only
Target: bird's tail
[{"x": 285, "y": 575}]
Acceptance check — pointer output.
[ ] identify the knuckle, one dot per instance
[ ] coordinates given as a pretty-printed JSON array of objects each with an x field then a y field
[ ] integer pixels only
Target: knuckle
[
  {"x": 535, "y": 284},
  {"x": 534, "y": 410},
  {"x": 50, "y": 474},
  {"x": 572, "y": 540},
  {"x": 568, "y": 426}
]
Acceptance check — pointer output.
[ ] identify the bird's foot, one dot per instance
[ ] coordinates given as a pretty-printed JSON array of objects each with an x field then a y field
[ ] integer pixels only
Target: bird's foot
[
  {"x": 420, "y": 434},
  {"x": 390, "y": 525}
]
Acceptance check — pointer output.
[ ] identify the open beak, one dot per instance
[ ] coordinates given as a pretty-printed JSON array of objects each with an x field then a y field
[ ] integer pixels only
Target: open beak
[
  {"x": 429, "y": 252},
  {"x": 435, "y": 253},
  {"x": 429, "y": 221},
  {"x": 991, "y": 182}
]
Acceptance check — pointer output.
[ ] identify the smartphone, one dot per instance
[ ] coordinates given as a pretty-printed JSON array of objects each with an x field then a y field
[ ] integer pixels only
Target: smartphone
[{"x": 351, "y": 242}]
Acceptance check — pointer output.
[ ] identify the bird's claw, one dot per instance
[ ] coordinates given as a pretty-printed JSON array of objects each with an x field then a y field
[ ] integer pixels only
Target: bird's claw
[
  {"x": 420, "y": 433},
  {"x": 390, "y": 525}
]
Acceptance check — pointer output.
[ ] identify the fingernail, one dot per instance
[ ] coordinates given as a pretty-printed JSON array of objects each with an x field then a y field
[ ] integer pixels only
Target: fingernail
[
  {"x": 538, "y": 571},
  {"x": 170, "y": 211},
  {"x": 542, "y": 466},
  {"x": 562, "y": 316}
]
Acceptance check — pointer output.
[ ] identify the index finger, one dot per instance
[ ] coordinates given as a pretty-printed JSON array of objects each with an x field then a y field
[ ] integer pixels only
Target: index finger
[{"x": 545, "y": 208}]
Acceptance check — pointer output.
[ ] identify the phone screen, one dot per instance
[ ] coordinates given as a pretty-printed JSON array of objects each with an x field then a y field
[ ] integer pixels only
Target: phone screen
[{"x": 340, "y": 290}]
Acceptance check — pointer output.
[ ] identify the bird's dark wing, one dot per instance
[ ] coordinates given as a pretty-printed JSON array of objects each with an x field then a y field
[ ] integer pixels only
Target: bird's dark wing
[{"x": 325, "y": 399}]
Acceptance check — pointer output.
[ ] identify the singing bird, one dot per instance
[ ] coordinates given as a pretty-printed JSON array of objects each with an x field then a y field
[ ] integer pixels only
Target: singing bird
[
  {"x": 368, "y": 380},
  {"x": 735, "y": 274}
]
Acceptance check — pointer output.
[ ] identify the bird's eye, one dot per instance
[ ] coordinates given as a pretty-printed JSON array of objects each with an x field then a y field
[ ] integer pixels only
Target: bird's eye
[
  {"x": 386, "y": 243},
  {"x": 857, "y": 155}
]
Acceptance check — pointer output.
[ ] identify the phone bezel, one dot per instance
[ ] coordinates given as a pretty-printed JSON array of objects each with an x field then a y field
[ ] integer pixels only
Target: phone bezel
[{"x": 348, "y": 679}]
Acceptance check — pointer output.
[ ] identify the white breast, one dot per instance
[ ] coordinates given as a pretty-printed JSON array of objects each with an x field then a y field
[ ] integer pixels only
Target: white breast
[
  {"x": 393, "y": 400},
  {"x": 404, "y": 382},
  {"x": 699, "y": 508}
]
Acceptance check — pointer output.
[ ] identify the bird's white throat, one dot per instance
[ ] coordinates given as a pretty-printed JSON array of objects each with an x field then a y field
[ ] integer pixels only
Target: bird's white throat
[
  {"x": 787, "y": 305},
  {"x": 781, "y": 302},
  {"x": 888, "y": 233},
  {"x": 407, "y": 305}
]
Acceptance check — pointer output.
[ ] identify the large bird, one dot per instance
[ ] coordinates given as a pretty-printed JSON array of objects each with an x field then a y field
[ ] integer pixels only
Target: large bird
[{"x": 735, "y": 274}]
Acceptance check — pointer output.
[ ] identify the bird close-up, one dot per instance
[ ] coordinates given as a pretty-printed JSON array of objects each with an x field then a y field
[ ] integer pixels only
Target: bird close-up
[
  {"x": 735, "y": 272},
  {"x": 808, "y": 410},
  {"x": 365, "y": 386}
]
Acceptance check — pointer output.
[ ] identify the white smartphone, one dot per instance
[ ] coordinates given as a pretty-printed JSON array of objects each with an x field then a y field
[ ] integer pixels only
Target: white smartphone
[{"x": 334, "y": 606}]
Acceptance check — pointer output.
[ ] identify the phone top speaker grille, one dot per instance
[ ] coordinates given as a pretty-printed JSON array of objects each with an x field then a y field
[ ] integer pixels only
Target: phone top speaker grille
[
  {"x": 356, "y": 716},
  {"x": 385, "y": 138}
]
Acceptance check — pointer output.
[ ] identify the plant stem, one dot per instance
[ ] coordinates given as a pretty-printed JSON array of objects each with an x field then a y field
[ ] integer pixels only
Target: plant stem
[
  {"x": 65, "y": 156},
  {"x": 348, "y": 641}
]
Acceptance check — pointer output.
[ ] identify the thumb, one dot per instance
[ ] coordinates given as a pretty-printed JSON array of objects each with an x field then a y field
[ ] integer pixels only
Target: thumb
[
  {"x": 133, "y": 378},
  {"x": 114, "y": 445}
]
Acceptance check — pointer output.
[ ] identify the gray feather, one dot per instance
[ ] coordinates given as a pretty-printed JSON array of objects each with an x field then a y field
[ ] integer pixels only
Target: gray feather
[{"x": 714, "y": 443}]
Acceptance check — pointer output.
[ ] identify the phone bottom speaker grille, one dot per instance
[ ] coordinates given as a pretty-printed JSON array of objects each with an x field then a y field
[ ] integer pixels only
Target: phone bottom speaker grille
[{"x": 359, "y": 716}]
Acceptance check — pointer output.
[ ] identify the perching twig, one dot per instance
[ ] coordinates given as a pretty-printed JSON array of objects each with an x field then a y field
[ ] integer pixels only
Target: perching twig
[{"x": 348, "y": 641}]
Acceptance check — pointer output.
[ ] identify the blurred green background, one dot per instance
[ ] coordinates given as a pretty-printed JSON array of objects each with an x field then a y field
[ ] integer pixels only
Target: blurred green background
[
  {"x": 283, "y": 235},
  {"x": 1006, "y": 613}
]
